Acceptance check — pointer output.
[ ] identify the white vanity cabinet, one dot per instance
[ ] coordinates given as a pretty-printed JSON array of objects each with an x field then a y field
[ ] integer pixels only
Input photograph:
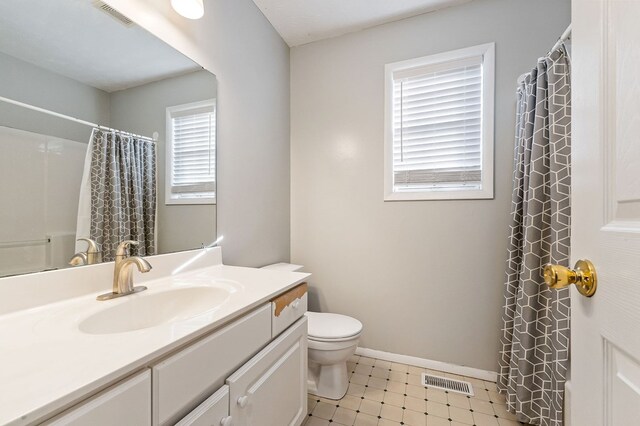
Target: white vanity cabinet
[
  {"x": 125, "y": 403},
  {"x": 271, "y": 389},
  {"x": 251, "y": 371}
]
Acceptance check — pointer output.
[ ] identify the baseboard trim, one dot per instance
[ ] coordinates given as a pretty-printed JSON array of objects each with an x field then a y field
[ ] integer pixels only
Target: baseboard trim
[{"x": 476, "y": 373}]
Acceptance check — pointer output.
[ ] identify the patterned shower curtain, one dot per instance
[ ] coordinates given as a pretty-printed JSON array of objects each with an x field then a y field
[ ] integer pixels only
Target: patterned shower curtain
[
  {"x": 535, "y": 343},
  {"x": 123, "y": 192}
]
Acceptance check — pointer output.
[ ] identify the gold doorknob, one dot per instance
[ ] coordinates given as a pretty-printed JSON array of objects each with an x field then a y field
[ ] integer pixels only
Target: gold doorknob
[{"x": 583, "y": 276}]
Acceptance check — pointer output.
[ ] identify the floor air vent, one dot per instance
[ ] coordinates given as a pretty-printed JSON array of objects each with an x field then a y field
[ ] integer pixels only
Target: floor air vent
[{"x": 443, "y": 383}]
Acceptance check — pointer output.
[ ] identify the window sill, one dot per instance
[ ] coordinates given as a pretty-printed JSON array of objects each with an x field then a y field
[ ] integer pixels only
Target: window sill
[
  {"x": 190, "y": 201},
  {"x": 474, "y": 194}
]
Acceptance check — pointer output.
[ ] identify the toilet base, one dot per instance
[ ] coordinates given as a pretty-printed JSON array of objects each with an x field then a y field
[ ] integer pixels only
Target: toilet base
[{"x": 328, "y": 381}]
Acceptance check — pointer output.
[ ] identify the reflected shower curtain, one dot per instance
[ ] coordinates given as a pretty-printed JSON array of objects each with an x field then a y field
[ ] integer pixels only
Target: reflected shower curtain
[
  {"x": 534, "y": 359},
  {"x": 118, "y": 195}
]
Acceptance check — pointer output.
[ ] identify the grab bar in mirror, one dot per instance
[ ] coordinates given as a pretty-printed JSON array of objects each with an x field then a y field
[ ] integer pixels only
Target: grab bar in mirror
[{"x": 25, "y": 243}]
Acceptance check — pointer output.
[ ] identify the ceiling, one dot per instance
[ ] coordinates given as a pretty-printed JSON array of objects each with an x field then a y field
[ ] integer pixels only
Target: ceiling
[
  {"x": 75, "y": 39},
  {"x": 305, "y": 21}
]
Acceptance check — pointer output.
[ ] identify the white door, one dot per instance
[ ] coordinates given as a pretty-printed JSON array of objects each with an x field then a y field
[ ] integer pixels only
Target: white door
[{"x": 605, "y": 336}]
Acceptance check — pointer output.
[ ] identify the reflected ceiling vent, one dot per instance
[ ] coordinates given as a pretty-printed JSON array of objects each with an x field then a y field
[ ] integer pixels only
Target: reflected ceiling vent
[{"x": 113, "y": 13}]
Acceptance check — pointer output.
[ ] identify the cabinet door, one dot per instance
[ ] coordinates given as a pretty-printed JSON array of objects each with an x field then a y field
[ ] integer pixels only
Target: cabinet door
[
  {"x": 213, "y": 411},
  {"x": 126, "y": 403},
  {"x": 271, "y": 389},
  {"x": 184, "y": 380}
]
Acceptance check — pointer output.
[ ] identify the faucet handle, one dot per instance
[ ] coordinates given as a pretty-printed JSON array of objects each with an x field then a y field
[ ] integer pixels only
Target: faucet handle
[
  {"x": 122, "y": 247},
  {"x": 93, "y": 254},
  {"x": 79, "y": 259}
]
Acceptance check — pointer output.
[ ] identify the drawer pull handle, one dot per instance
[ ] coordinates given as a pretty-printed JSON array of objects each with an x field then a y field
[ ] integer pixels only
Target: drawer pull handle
[
  {"x": 226, "y": 421},
  {"x": 243, "y": 401},
  {"x": 295, "y": 304}
]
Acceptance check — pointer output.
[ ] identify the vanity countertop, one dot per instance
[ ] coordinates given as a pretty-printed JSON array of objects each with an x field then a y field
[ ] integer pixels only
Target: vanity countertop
[{"x": 49, "y": 364}]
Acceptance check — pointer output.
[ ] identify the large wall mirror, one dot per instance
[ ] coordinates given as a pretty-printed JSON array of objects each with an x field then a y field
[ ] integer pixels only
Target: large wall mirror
[{"x": 146, "y": 172}]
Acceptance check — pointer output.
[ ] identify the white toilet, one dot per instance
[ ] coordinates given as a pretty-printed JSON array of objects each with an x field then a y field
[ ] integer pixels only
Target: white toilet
[{"x": 332, "y": 339}]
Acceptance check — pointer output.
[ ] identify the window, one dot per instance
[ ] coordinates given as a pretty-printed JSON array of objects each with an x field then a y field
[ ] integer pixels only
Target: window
[
  {"x": 191, "y": 153},
  {"x": 439, "y": 126}
]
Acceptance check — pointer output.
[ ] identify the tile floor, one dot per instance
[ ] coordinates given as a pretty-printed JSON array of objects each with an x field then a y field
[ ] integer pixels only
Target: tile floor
[{"x": 382, "y": 393}]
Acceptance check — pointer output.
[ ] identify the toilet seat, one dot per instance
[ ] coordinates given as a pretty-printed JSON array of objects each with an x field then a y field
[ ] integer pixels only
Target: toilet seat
[
  {"x": 327, "y": 327},
  {"x": 346, "y": 339},
  {"x": 335, "y": 345}
]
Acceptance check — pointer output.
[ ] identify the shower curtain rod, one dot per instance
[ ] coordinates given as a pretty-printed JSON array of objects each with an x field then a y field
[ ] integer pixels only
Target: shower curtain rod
[
  {"x": 566, "y": 35},
  {"x": 67, "y": 117}
]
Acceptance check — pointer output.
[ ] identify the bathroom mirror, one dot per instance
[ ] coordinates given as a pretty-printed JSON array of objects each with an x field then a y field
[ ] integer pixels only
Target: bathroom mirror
[{"x": 64, "y": 64}]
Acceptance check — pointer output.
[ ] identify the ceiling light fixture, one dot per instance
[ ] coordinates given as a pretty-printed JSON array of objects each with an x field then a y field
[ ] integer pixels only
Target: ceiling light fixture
[{"x": 191, "y": 9}]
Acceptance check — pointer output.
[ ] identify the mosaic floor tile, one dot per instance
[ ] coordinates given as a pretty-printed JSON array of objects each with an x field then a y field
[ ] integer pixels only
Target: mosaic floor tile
[{"x": 383, "y": 393}]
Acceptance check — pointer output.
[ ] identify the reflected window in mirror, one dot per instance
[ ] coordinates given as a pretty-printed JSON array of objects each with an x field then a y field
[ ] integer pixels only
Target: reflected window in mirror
[{"x": 191, "y": 153}]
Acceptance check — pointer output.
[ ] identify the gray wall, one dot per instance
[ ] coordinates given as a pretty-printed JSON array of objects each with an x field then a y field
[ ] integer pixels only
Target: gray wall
[
  {"x": 251, "y": 62},
  {"x": 142, "y": 110},
  {"x": 28, "y": 83},
  {"x": 424, "y": 277}
]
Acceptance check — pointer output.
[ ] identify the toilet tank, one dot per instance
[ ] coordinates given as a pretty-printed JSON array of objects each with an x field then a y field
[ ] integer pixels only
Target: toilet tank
[{"x": 282, "y": 266}]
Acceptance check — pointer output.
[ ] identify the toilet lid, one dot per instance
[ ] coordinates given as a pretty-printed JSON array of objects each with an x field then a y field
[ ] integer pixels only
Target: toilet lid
[{"x": 332, "y": 326}]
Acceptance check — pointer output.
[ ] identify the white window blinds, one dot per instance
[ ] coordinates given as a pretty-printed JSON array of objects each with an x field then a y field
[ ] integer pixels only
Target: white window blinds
[
  {"x": 437, "y": 126},
  {"x": 192, "y": 151}
]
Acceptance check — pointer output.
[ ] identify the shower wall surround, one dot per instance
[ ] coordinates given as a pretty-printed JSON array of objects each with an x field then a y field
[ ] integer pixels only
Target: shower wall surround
[{"x": 42, "y": 223}]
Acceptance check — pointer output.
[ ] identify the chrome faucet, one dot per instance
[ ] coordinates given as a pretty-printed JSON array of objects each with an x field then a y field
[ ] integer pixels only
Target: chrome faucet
[
  {"x": 123, "y": 272},
  {"x": 90, "y": 257}
]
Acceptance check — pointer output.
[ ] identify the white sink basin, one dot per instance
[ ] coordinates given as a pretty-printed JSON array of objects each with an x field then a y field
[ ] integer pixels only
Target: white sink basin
[{"x": 144, "y": 310}]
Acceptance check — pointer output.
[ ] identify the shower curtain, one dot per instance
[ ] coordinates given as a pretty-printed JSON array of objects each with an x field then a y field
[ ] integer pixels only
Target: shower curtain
[
  {"x": 534, "y": 359},
  {"x": 118, "y": 193}
]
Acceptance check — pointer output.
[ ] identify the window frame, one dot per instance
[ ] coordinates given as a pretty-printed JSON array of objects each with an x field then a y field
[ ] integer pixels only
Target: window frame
[
  {"x": 169, "y": 194},
  {"x": 487, "y": 51}
]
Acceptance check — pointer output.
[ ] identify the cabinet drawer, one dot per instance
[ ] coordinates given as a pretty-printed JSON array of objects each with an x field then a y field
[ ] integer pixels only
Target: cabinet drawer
[
  {"x": 186, "y": 379},
  {"x": 271, "y": 389},
  {"x": 288, "y": 308},
  {"x": 213, "y": 411},
  {"x": 126, "y": 403}
]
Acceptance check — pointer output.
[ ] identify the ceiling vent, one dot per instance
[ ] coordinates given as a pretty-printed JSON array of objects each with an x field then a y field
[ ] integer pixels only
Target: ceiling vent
[{"x": 113, "y": 13}]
